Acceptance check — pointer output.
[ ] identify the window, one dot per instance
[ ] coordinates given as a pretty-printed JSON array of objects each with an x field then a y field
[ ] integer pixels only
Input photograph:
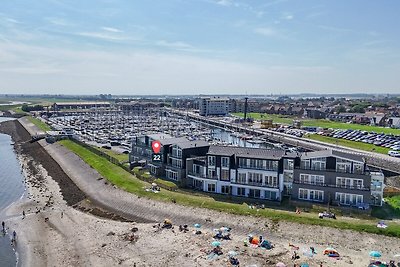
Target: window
[
  {"x": 288, "y": 164},
  {"x": 271, "y": 181},
  {"x": 211, "y": 174},
  {"x": 225, "y": 175},
  {"x": 211, "y": 160},
  {"x": 305, "y": 164},
  {"x": 176, "y": 152},
  {"x": 242, "y": 162},
  {"x": 348, "y": 199},
  {"x": 255, "y": 178},
  {"x": 225, "y": 189},
  {"x": 177, "y": 163},
  {"x": 318, "y": 164},
  {"x": 313, "y": 195},
  {"x": 343, "y": 165},
  {"x": 241, "y": 178},
  {"x": 225, "y": 162},
  {"x": 172, "y": 175},
  {"x": 255, "y": 193},
  {"x": 241, "y": 191},
  {"x": 358, "y": 168},
  {"x": 211, "y": 187},
  {"x": 312, "y": 179},
  {"x": 349, "y": 182}
]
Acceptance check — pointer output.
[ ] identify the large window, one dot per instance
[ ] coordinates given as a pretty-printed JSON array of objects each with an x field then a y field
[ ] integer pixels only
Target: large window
[
  {"x": 271, "y": 181},
  {"x": 176, "y": 152},
  {"x": 318, "y": 164},
  {"x": 343, "y": 165},
  {"x": 177, "y": 163},
  {"x": 305, "y": 164},
  {"x": 349, "y": 182},
  {"x": 348, "y": 199},
  {"x": 242, "y": 162},
  {"x": 312, "y": 179},
  {"x": 358, "y": 167},
  {"x": 313, "y": 195},
  {"x": 225, "y": 175},
  {"x": 211, "y": 160},
  {"x": 241, "y": 179},
  {"x": 255, "y": 193},
  {"x": 225, "y": 162},
  {"x": 255, "y": 178}
]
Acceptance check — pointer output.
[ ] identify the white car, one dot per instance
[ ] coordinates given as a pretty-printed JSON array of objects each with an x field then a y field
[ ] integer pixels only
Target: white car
[
  {"x": 394, "y": 153},
  {"x": 395, "y": 147}
]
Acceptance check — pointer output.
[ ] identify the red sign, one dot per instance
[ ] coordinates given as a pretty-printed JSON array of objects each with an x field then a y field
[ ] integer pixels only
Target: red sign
[{"x": 156, "y": 145}]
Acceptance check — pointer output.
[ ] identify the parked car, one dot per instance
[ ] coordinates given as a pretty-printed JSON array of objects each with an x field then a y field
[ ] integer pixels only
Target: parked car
[{"x": 393, "y": 153}]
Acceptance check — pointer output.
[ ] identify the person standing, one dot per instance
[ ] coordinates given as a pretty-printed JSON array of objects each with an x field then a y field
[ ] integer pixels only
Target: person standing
[
  {"x": 4, "y": 226},
  {"x": 23, "y": 214}
]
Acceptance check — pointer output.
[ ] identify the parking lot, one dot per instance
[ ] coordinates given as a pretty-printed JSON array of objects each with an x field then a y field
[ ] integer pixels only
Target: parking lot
[{"x": 392, "y": 142}]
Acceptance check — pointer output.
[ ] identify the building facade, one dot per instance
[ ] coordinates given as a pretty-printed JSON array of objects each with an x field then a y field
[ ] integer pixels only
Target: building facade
[
  {"x": 245, "y": 172},
  {"x": 213, "y": 106},
  {"x": 336, "y": 178}
]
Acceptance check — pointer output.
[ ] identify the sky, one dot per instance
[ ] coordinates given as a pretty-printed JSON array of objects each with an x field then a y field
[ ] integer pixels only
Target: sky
[{"x": 180, "y": 47}]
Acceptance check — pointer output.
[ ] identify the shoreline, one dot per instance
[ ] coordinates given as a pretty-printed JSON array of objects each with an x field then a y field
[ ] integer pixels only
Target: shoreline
[{"x": 82, "y": 239}]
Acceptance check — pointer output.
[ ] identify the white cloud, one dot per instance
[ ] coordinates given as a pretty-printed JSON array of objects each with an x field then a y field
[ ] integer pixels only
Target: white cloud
[
  {"x": 177, "y": 45},
  {"x": 110, "y": 29},
  {"x": 224, "y": 2},
  {"x": 265, "y": 31},
  {"x": 288, "y": 17},
  {"x": 103, "y": 36}
]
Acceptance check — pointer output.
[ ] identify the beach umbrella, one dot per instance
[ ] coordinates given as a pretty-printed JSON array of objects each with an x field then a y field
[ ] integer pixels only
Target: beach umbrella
[
  {"x": 216, "y": 243},
  {"x": 197, "y": 225},
  {"x": 153, "y": 184},
  {"x": 280, "y": 264},
  {"x": 304, "y": 265},
  {"x": 232, "y": 253},
  {"x": 375, "y": 254}
]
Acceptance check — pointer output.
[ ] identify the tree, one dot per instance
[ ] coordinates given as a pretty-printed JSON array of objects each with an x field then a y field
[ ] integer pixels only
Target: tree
[{"x": 340, "y": 109}]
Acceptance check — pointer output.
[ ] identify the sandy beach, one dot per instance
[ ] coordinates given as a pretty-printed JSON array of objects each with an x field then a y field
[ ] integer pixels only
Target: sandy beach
[{"x": 63, "y": 227}]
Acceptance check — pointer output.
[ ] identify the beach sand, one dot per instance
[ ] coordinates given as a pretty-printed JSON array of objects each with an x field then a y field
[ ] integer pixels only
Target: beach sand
[{"x": 60, "y": 230}]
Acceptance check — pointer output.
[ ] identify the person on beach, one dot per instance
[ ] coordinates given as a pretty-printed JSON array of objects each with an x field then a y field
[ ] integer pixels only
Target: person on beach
[
  {"x": 62, "y": 214},
  {"x": 23, "y": 214},
  {"x": 4, "y": 226}
]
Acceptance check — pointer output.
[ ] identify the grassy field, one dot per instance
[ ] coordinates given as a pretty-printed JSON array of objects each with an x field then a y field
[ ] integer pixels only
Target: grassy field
[
  {"x": 41, "y": 125},
  {"x": 130, "y": 183},
  {"x": 119, "y": 156},
  {"x": 320, "y": 123},
  {"x": 348, "y": 143},
  {"x": 264, "y": 116}
]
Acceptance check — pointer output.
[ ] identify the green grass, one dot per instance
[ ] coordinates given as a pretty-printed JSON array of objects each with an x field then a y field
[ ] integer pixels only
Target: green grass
[
  {"x": 348, "y": 143},
  {"x": 130, "y": 183},
  {"x": 320, "y": 123},
  {"x": 41, "y": 125},
  {"x": 121, "y": 157},
  {"x": 169, "y": 184},
  {"x": 263, "y": 116},
  {"x": 394, "y": 203},
  {"x": 8, "y": 107}
]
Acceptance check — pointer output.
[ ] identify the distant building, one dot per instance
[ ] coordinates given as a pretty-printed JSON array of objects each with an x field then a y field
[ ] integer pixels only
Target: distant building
[
  {"x": 138, "y": 107},
  {"x": 79, "y": 105},
  {"x": 213, "y": 106}
]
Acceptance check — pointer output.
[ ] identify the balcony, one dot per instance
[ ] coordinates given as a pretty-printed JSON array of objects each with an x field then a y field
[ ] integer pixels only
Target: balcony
[
  {"x": 254, "y": 184},
  {"x": 201, "y": 175},
  {"x": 333, "y": 185},
  {"x": 257, "y": 168},
  {"x": 330, "y": 170}
]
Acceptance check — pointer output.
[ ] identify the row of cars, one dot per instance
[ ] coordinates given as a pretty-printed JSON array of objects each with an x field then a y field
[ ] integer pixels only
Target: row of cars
[{"x": 379, "y": 139}]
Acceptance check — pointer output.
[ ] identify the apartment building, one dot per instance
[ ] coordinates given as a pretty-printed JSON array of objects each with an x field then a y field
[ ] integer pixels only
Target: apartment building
[
  {"x": 173, "y": 152},
  {"x": 246, "y": 172},
  {"x": 337, "y": 178},
  {"x": 213, "y": 106}
]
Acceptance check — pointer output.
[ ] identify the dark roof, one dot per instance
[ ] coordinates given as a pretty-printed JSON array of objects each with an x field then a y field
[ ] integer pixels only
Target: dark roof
[
  {"x": 173, "y": 140},
  {"x": 258, "y": 153},
  {"x": 332, "y": 153},
  {"x": 190, "y": 144}
]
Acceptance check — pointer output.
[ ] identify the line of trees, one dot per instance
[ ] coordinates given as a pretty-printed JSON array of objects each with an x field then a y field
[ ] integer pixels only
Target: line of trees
[{"x": 28, "y": 108}]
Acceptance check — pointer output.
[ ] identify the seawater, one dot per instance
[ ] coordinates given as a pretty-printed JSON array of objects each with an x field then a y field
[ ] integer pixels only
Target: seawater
[{"x": 11, "y": 189}]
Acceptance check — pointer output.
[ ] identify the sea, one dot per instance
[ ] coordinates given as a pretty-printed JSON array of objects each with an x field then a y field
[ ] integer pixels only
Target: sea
[{"x": 11, "y": 190}]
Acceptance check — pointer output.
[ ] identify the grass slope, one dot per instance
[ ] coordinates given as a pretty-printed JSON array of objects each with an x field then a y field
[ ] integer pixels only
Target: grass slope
[
  {"x": 41, "y": 125},
  {"x": 348, "y": 143},
  {"x": 130, "y": 183}
]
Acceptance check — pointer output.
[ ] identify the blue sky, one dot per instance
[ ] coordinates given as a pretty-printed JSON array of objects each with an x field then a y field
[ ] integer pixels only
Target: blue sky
[{"x": 199, "y": 46}]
